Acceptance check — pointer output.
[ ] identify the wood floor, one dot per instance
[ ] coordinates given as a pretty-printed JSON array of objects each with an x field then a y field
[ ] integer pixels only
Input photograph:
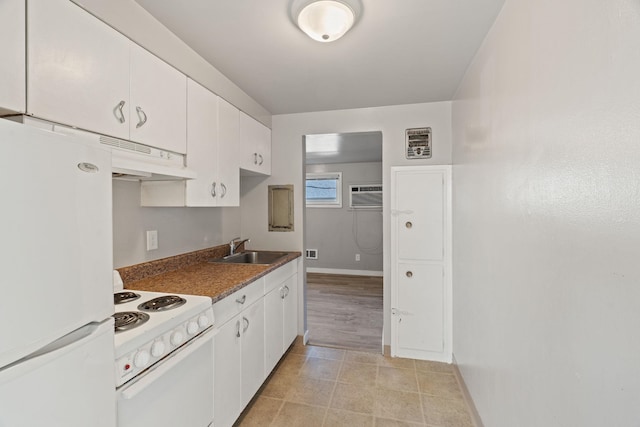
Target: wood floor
[{"x": 345, "y": 311}]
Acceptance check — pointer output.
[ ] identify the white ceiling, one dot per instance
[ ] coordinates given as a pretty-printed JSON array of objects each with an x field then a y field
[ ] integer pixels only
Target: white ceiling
[{"x": 399, "y": 51}]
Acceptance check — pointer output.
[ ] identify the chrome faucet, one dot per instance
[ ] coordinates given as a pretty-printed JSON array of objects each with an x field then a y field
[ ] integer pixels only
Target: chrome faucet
[{"x": 234, "y": 244}]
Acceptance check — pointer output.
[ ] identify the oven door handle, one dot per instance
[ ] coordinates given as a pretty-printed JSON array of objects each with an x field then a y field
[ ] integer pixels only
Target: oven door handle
[{"x": 165, "y": 366}]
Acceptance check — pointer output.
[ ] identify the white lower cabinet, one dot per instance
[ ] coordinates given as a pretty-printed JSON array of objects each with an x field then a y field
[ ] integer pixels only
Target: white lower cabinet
[{"x": 258, "y": 323}]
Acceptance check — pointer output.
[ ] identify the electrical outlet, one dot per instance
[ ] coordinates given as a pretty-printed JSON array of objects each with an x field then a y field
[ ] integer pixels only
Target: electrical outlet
[
  {"x": 152, "y": 240},
  {"x": 357, "y": 257}
]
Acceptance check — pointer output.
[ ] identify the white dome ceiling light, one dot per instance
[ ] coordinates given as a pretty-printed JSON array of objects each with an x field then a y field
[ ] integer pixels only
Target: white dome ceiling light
[{"x": 325, "y": 20}]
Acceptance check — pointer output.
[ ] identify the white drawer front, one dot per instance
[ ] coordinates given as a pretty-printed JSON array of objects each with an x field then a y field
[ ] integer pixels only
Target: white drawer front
[
  {"x": 276, "y": 277},
  {"x": 228, "y": 307}
]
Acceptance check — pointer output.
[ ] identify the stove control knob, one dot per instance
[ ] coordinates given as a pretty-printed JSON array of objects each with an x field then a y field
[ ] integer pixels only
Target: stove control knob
[
  {"x": 192, "y": 328},
  {"x": 203, "y": 321},
  {"x": 157, "y": 349},
  {"x": 141, "y": 359},
  {"x": 177, "y": 338}
]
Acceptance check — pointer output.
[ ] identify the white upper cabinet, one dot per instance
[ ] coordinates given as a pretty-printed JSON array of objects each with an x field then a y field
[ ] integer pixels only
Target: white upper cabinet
[
  {"x": 212, "y": 145},
  {"x": 85, "y": 74},
  {"x": 12, "y": 65},
  {"x": 158, "y": 102},
  {"x": 255, "y": 146},
  {"x": 78, "y": 69}
]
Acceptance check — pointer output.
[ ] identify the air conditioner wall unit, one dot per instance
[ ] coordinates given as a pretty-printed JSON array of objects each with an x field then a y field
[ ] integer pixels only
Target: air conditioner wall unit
[{"x": 368, "y": 196}]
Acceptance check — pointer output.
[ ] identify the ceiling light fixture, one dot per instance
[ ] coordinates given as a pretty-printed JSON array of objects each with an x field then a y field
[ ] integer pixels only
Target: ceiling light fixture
[{"x": 325, "y": 20}]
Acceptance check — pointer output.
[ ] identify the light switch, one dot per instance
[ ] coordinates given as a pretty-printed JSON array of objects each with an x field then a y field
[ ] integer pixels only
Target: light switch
[{"x": 152, "y": 240}]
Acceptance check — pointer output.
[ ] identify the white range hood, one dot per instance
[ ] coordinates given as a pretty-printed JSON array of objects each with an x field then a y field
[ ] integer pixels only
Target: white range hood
[{"x": 130, "y": 160}]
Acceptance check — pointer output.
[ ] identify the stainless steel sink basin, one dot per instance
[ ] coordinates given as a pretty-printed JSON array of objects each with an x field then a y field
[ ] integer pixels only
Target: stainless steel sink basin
[{"x": 252, "y": 257}]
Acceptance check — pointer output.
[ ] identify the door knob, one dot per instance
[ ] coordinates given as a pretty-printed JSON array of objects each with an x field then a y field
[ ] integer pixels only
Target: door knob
[
  {"x": 408, "y": 224},
  {"x": 409, "y": 274}
]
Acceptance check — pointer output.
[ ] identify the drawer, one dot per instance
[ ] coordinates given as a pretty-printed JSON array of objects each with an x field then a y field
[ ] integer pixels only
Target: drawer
[
  {"x": 228, "y": 307},
  {"x": 276, "y": 277}
]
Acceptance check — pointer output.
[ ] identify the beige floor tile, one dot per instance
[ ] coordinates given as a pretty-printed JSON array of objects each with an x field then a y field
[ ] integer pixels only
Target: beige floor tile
[
  {"x": 327, "y": 353},
  {"x": 358, "y": 373},
  {"x": 399, "y": 405},
  {"x": 362, "y": 357},
  {"x": 311, "y": 391},
  {"x": 321, "y": 368},
  {"x": 298, "y": 415},
  {"x": 291, "y": 363},
  {"x": 396, "y": 362},
  {"x": 445, "y": 412},
  {"x": 438, "y": 384},
  {"x": 278, "y": 385},
  {"x": 339, "y": 418},
  {"x": 262, "y": 412},
  {"x": 429, "y": 366},
  {"x": 397, "y": 379},
  {"x": 354, "y": 397},
  {"x": 298, "y": 348},
  {"x": 386, "y": 422}
]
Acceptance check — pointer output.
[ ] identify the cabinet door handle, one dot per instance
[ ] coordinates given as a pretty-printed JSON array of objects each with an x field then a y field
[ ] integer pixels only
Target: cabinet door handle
[
  {"x": 241, "y": 300},
  {"x": 238, "y": 328},
  {"x": 224, "y": 190},
  {"x": 282, "y": 295},
  {"x": 142, "y": 117},
  {"x": 286, "y": 293},
  {"x": 255, "y": 158},
  {"x": 213, "y": 189},
  {"x": 118, "y": 112},
  {"x": 408, "y": 224},
  {"x": 247, "y": 324},
  {"x": 261, "y": 160},
  {"x": 409, "y": 274}
]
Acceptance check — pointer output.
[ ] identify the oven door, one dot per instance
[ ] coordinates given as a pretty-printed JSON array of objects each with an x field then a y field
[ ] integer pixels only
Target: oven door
[{"x": 178, "y": 391}]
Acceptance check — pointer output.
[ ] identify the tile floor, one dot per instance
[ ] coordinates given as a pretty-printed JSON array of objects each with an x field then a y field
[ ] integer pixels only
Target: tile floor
[{"x": 318, "y": 386}]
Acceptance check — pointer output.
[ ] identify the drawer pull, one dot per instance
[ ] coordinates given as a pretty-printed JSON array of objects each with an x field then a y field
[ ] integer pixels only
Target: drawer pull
[{"x": 241, "y": 300}]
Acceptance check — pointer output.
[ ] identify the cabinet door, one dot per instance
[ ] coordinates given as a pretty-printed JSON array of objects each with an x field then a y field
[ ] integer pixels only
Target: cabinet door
[
  {"x": 252, "y": 323},
  {"x": 420, "y": 308},
  {"x": 290, "y": 311},
  {"x": 273, "y": 328},
  {"x": 12, "y": 66},
  {"x": 255, "y": 142},
  {"x": 227, "y": 373},
  {"x": 228, "y": 146},
  {"x": 158, "y": 111},
  {"x": 202, "y": 143},
  {"x": 78, "y": 69}
]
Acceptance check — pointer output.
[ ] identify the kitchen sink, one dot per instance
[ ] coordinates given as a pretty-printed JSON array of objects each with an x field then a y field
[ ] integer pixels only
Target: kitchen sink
[{"x": 251, "y": 257}]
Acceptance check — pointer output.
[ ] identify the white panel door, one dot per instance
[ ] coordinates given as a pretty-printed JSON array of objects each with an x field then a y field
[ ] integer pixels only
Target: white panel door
[
  {"x": 226, "y": 373},
  {"x": 253, "y": 375},
  {"x": 228, "y": 154},
  {"x": 78, "y": 69},
  {"x": 420, "y": 308},
  {"x": 202, "y": 144},
  {"x": 158, "y": 112},
  {"x": 13, "y": 46},
  {"x": 420, "y": 201}
]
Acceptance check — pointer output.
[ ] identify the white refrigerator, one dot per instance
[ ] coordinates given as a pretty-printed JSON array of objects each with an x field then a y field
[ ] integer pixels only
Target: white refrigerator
[{"x": 56, "y": 299}]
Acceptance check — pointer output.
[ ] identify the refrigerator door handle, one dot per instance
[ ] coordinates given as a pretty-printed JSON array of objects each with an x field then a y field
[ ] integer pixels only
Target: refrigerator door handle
[{"x": 55, "y": 349}]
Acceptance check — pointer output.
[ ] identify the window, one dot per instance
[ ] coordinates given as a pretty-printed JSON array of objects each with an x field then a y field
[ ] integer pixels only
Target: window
[{"x": 324, "y": 190}]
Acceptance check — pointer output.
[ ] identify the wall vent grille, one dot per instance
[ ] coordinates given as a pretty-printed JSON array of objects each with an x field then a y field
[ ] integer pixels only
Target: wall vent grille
[{"x": 311, "y": 254}]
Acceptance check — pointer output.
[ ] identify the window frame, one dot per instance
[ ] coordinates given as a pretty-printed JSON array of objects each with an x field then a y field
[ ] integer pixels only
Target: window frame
[{"x": 335, "y": 203}]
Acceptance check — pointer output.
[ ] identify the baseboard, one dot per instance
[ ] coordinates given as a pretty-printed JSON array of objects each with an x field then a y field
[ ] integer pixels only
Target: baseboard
[
  {"x": 345, "y": 272},
  {"x": 475, "y": 416},
  {"x": 305, "y": 337}
]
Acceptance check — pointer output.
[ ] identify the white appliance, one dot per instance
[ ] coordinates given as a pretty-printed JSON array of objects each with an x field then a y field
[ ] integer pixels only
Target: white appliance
[
  {"x": 56, "y": 330},
  {"x": 163, "y": 359},
  {"x": 367, "y": 196}
]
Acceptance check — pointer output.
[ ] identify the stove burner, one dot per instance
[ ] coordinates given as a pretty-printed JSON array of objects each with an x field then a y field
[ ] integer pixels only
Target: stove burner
[
  {"x": 126, "y": 320},
  {"x": 163, "y": 303},
  {"x": 122, "y": 297}
]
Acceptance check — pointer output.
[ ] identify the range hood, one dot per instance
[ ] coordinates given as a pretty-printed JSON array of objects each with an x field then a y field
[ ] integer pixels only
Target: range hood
[{"x": 130, "y": 160}]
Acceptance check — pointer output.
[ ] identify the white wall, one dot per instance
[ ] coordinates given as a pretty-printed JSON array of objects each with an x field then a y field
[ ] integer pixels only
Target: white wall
[
  {"x": 546, "y": 130},
  {"x": 180, "y": 230},
  {"x": 333, "y": 231},
  {"x": 288, "y": 162}
]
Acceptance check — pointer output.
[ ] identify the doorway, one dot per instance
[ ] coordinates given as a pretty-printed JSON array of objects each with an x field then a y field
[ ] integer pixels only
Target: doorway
[{"x": 343, "y": 238}]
